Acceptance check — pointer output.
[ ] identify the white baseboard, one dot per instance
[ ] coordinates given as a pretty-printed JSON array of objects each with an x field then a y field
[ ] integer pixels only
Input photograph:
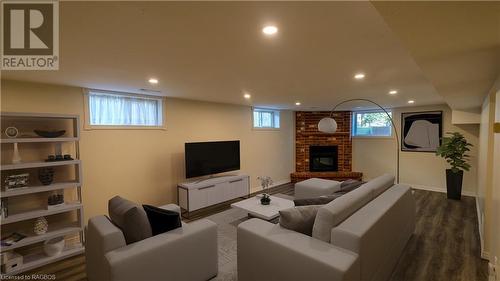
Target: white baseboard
[
  {"x": 439, "y": 189},
  {"x": 485, "y": 255},
  {"x": 276, "y": 183}
]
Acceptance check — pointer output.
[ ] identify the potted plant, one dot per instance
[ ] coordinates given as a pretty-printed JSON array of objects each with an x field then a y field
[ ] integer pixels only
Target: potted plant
[
  {"x": 454, "y": 149},
  {"x": 265, "y": 182}
]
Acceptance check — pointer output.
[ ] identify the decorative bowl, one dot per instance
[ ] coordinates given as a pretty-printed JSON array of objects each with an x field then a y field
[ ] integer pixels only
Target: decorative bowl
[
  {"x": 50, "y": 134},
  {"x": 54, "y": 247}
]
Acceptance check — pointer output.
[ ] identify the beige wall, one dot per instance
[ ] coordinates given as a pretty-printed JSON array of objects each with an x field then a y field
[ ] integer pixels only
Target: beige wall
[
  {"x": 374, "y": 156},
  {"x": 146, "y": 165}
]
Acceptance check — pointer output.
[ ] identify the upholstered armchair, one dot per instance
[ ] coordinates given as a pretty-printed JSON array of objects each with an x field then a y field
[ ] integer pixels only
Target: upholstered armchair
[{"x": 187, "y": 253}]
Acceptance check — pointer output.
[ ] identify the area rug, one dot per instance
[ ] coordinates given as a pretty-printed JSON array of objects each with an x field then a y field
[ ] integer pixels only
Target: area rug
[{"x": 227, "y": 222}]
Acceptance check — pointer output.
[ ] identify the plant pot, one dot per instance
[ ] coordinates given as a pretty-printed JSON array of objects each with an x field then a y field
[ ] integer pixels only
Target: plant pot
[
  {"x": 265, "y": 200},
  {"x": 454, "y": 184}
]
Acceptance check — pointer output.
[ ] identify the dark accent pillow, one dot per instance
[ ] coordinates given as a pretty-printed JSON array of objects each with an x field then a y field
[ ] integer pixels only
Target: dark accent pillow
[
  {"x": 130, "y": 218},
  {"x": 162, "y": 220},
  {"x": 299, "y": 219},
  {"x": 321, "y": 200},
  {"x": 349, "y": 185}
]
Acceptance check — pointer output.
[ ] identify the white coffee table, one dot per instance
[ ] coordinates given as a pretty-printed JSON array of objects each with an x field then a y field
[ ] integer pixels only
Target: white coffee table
[{"x": 266, "y": 212}]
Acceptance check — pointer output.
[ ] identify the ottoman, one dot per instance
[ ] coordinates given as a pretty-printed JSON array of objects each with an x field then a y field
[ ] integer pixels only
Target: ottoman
[{"x": 315, "y": 187}]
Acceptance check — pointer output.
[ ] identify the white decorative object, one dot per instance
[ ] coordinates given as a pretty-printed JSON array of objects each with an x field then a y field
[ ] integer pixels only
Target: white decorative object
[
  {"x": 327, "y": 125},
  {"x": 41, "y": 226},
  {"x": 11, "y": 132},
  {"x": 54, "y": 247},
  {"x": 16, "y": 158}
]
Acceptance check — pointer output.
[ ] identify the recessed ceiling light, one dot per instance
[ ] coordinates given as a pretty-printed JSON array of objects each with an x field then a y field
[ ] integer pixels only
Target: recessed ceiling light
[
  {"x": 298, "y": 103},
  {"x": 411, "y": 101},
  {"x": 359, "y": 76},
  {"x": 153, "y": 80},
  {"x": 393, "y": 92},
  {"x": 247, "y": 96},
  {"x": 270, "y": 30}
]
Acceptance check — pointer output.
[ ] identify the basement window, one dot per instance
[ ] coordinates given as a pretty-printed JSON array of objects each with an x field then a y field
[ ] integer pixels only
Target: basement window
[
  {"x": 371, "y": 124},
  {"x": 266, "y": 118},
  {"x": 121, "y": 110}
]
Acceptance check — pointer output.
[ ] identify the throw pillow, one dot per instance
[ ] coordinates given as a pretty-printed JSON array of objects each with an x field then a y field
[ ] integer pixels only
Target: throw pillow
[
  {"x": 162, "y": 220},
  {"x": 321, "y": 200},
  {"x": 299, "y": 219},
  {"x": 130, "y": 218}
]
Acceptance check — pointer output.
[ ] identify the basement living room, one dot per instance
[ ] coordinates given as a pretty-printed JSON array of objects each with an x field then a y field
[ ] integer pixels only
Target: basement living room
[{"x": 177, "y": 140}]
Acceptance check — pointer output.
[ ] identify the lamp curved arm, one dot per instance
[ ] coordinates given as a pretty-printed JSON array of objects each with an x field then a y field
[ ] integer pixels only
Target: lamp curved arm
[{"x": 388, "y": 115}]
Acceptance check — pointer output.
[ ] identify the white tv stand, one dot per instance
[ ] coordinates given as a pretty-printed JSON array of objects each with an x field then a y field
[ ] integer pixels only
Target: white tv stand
[{"x": 196, "y": 195}]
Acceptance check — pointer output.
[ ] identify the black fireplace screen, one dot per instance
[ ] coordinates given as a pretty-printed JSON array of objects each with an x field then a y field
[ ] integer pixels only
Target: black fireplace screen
[{"x": 323, "y": 158}]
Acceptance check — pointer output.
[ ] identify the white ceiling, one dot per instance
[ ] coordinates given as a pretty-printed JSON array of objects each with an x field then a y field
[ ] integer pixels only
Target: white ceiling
[
  {"x": 456, "y": 44},
  {"x": 214, "y": 51}
]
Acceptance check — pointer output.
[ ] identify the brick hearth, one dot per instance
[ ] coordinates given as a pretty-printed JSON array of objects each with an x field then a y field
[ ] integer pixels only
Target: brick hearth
[
  {"x": 307, "y": 134},
  {"x": 338, "y": 176}
]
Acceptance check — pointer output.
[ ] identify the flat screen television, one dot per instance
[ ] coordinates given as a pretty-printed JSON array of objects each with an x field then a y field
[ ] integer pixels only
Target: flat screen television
[{"x": 208, "y": 158}]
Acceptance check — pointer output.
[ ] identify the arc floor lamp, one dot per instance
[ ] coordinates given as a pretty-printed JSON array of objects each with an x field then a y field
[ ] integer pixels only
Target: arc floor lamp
[{"x": 329, "y": 125}]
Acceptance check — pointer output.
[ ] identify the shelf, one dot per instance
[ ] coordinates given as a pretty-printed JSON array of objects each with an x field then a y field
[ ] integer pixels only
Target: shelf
[
  {"x": 35, "y": 140},
  {"x": 66, "y": 220},
  {"x": 38, "y": 165},
  {"x": 37, "y": 260},
  {"x": 57, "y": 232},
  {"x": 40, "y": 213},
  {"x": 39, "y": 188}
]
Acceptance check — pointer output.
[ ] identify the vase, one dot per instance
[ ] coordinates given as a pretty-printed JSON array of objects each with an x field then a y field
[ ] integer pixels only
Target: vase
[
  {"x": 41, "y": 226},
  {"x": 16, "y": 158},
  {"x": 454, "y": 184},
  {"x": 46, "y": 175}
]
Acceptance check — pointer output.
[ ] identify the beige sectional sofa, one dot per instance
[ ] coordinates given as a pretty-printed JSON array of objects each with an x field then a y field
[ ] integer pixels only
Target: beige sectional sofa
[{"x": 359, "y": 236}]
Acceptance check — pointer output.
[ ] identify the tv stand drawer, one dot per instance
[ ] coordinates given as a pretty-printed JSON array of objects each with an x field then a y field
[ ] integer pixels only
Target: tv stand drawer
[{"x": 195, "y": 197}]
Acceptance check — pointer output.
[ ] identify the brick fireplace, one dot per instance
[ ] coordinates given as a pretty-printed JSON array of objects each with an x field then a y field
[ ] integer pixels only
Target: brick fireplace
[{"x": 308, "y": 139}]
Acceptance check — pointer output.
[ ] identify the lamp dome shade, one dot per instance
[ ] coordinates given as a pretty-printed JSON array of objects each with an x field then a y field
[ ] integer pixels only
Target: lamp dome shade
[{"x": 327, "y": 125}]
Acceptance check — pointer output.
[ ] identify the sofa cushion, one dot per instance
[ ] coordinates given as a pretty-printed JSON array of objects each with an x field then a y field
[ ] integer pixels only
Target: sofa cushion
[
  {"x": 321, "y": 200},
  {"x": 349, "y": 185},
  {"x": 380, "y": 184},
  {"x": 333, "y": 213},
  {"x": 130, "y": 218},
  {"x": 162, "y": 220},
  {"x": 300, "y": 219}
]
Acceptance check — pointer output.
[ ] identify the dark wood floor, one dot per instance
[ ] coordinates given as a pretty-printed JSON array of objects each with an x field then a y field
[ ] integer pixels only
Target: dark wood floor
[{"x": 445, "y": 245}]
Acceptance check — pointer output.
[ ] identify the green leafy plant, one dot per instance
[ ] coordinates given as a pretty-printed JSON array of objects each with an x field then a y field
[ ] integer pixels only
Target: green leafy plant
[{"x": 454, "y": 149}]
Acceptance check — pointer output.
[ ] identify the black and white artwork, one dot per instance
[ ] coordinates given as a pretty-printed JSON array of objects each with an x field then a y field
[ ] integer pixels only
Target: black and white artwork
[{"x": 422, "y": 131}]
